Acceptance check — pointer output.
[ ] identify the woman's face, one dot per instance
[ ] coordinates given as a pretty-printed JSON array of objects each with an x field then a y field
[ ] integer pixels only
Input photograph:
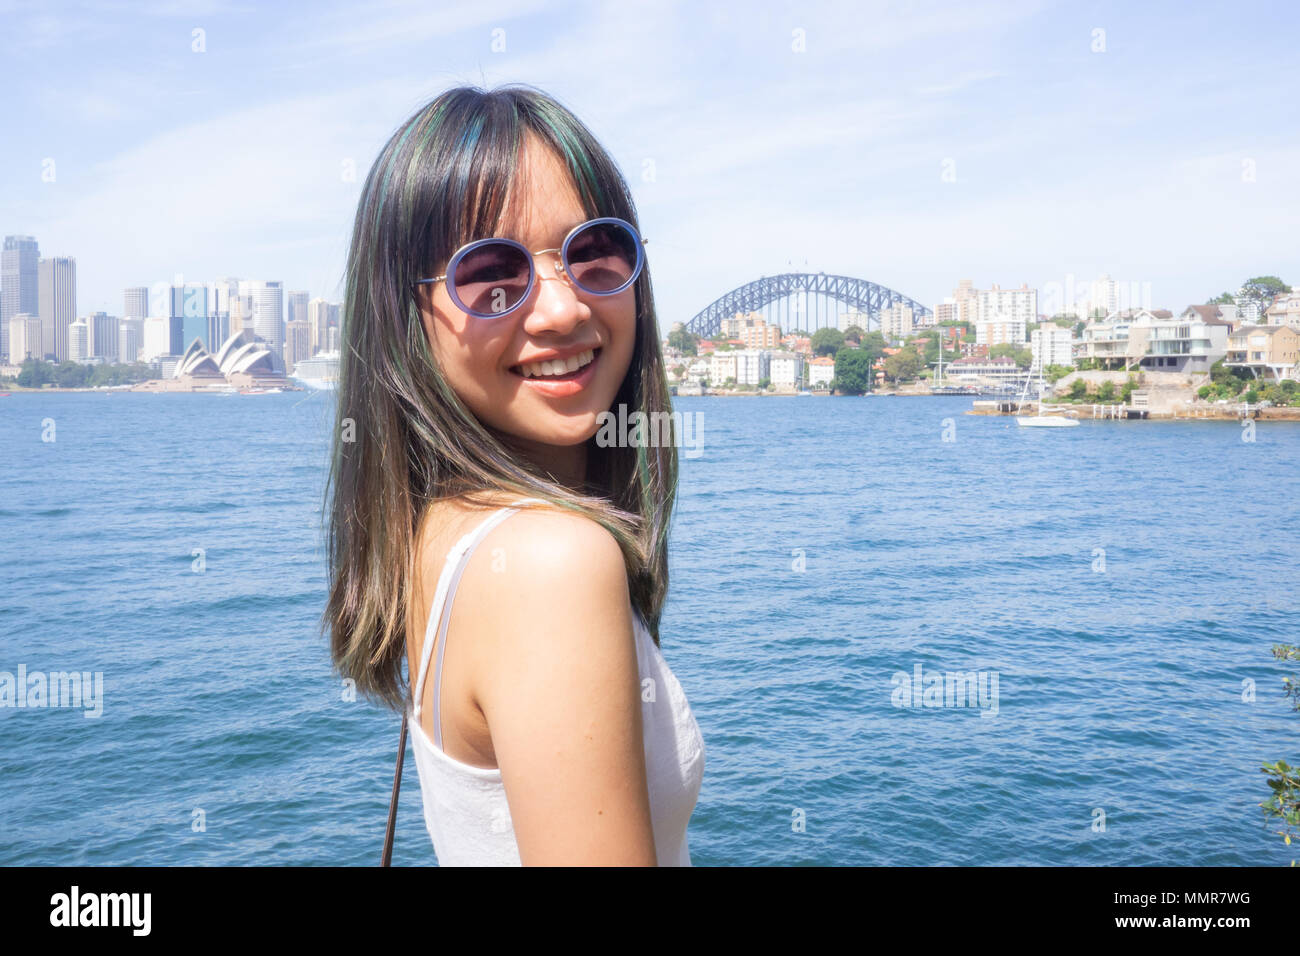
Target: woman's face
[{"x": 481, "y": 358}]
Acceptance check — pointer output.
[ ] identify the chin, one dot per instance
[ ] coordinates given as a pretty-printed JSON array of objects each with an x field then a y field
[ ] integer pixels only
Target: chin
[{"x": 571, "y": 433}]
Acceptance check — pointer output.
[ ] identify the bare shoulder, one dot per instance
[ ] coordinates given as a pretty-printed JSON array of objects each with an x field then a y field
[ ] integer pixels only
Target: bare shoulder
[
  {"x": 545, "y": 565},
  {"x": 555, "y": 676}
]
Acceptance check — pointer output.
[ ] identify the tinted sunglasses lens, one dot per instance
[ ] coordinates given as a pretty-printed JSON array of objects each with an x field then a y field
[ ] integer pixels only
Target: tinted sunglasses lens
[
  {"x": 491, "y": 278},
  {"x": 603, "y": 257}
]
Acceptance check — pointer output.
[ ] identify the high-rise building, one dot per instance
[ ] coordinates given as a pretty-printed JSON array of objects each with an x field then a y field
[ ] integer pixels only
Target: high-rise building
[
  {"x": 135, "y": 302},
  {"x": 295, "y": 304},
  {"x": 101, "y": 332},
  {"x": 297, "y": 343},
  {"x": 1007, "y": 304},
  {"x": 155, "y": 339},
  {"x": 266, "y": 302},
  {"x": 18, "y": 285},
  {"x": 1103, "y": 296},
  {"x": 1001, "y": 331},
  {"x": 220, "y": 293},
  {"x": 318, "y": 322},
  {"x": 24, "y": 337},
  {"x": 78, "y": 341},
  {"x": 897, "y": 322},
  {"x": 1050, "y": 344},
  {"x": 223, "y": 298},
  {"x": 57, "y": 303},
  {"x": 130, "y": 339},
  {"x": 190, "y": 305},
  {"x": 966, "y": 300}
]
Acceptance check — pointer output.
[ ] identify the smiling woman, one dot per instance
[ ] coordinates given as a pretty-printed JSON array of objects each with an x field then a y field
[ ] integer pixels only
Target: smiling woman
[{"x": 498, "y": 307}]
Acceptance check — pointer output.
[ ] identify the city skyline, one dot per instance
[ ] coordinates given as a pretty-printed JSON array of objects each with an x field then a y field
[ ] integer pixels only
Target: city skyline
[{"x": 1000, "y": 142}]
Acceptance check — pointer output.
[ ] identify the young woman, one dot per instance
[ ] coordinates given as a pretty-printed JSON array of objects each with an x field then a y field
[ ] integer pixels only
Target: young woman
[{"x": 481, "y": 531}]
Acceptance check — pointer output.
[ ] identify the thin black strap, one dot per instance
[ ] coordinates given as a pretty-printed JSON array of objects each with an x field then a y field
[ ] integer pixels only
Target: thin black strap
[{"x": 392, "y": 801}]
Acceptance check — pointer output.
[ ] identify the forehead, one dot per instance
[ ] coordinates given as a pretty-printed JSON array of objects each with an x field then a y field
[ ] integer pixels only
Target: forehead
[{"x": 543, "y": 203}]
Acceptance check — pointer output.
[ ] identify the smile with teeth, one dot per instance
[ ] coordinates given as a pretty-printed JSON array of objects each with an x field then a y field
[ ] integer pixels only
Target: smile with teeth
[{"x": 555, "y": 368}]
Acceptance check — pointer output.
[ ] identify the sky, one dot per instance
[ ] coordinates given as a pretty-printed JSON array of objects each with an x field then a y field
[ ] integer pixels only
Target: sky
[{"x": 909, "y": 144}]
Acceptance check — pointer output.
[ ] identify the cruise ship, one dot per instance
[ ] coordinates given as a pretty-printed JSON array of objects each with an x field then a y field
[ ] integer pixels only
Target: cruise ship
[{"x": 321, "y": 371}]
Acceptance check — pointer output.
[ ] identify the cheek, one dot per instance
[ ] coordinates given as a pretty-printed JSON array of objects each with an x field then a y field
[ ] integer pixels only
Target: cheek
[{"x": 466, "y": 357}]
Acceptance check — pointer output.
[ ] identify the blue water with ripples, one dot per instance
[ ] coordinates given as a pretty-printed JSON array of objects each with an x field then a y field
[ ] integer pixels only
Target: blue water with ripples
[{"x": 1121, "y": 580}]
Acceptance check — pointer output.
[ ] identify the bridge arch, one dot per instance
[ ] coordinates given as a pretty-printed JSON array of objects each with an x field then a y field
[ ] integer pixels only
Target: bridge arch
[{"x": 788, "y": 295}]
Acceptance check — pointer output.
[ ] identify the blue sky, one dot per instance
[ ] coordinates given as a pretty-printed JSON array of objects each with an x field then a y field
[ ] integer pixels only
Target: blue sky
[{"x": 1170, "y": 157}]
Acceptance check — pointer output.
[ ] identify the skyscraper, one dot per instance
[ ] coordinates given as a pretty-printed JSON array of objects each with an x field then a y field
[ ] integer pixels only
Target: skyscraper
[
  {"x": 296, "y": 306},
  {"x": 130, "y": 339},
  {"x": 318, "y": 323},
  {"x": 102, "y": 336},
  {"x": 57, "y": 303},
  {"x": 135, "y": 303},
  {"x": 297, "y": 339},
  {"x": 24, "y": 337},
  {"x": 78, "y": 341},
  {"x": 267, "y": 303},
  {"x": 18, "y": 284},
  {"x": 193, "y": 311}
]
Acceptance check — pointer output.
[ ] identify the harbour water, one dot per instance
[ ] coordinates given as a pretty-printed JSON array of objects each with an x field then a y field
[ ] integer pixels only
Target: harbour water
[{"x": 1117, "y": 588}]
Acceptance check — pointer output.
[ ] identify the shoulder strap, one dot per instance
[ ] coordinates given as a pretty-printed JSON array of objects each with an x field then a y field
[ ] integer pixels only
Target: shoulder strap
[
  {"x": 461, "y": 551},
  {"x": 440, "y": 617}
]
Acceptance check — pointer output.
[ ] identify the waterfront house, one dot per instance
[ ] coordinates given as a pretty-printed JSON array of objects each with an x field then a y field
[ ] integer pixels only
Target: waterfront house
[
  {"x": 785, "y": 369},
  {"x": 1154, "y": 339},
  {"x": 820, "y": 371},
  {"x": 1000, "y": 369},
  {"x": 1285, "y": 310},
  {"x": 1269, "y": 351}
]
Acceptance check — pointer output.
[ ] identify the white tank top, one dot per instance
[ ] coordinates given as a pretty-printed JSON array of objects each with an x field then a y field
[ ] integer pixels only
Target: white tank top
[{"x": 465, "y": 807}]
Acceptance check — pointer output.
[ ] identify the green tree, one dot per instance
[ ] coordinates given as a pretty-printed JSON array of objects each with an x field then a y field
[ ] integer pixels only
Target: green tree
[
  {"x": 70, "y": 375},
  {"x": 827, "y": 341},
  {"x": 1023, "y": 357},
  {"x": 1054, "y": 373},
  {"x": 1106, "y": 393},
  {"x": 1262, "y": 290},
  {"x": 1284, "y": 780},
  {"x": 35, "y": 373},
  {"x": 852, "y": 371},
  {"x": 904, "y": 364},
  {"x": 1223, "y": 298},
  {"x": 684, "y": 340},
  {"x": 1078, "y": 389}
]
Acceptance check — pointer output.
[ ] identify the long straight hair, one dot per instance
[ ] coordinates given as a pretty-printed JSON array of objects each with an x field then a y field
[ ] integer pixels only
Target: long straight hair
[{"x": 403, "y": 439}]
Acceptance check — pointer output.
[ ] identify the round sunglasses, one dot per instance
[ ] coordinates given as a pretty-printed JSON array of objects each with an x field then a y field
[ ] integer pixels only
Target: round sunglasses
[{"x": 490, "y": 278}]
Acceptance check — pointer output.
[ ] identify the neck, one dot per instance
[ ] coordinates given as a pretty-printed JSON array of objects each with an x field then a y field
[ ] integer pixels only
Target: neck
[{"x": 565, "y": 464}]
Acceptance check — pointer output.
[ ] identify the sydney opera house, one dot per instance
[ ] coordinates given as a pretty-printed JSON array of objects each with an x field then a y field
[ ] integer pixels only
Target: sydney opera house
[{"x": 244, "y": 361}]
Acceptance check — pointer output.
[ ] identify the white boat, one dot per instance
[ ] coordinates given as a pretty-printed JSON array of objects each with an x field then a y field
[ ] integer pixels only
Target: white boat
[
  {"x": 1044, "y": 421},
  {"x": 1038, "y": 419},
  {"x": 321, "y": 371}
]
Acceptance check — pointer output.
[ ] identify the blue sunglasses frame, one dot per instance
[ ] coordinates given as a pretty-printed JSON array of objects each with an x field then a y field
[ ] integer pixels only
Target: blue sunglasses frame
[{"x": 561, "y": 265}]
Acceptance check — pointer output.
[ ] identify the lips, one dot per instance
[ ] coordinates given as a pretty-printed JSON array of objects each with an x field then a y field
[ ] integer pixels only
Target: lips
[
  {"x": 556, "y": 369},
  {"x": 564, "y": 386}
]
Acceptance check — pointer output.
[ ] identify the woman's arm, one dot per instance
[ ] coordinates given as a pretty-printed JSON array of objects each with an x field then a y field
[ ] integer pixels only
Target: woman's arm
[{"x": 555, "y": 674}]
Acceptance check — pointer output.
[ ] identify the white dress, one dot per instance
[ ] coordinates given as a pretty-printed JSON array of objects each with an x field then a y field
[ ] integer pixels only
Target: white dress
[{"x": 465, "y": 807}]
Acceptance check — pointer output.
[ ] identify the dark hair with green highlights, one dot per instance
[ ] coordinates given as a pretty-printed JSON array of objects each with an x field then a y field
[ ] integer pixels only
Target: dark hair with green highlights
[{"x": 403, "y": 438}]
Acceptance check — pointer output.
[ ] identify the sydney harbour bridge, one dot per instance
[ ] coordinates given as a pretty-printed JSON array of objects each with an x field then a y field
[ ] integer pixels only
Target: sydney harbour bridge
[{"x": 804, "y": 301}]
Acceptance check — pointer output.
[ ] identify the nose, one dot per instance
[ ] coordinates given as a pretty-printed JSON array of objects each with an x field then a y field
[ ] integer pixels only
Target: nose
[{"x": 556, "y": 307}]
